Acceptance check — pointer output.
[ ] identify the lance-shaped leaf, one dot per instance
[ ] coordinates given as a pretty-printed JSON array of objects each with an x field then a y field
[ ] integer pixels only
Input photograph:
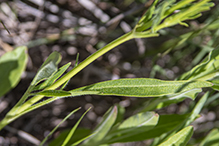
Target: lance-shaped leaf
[
  {"x": 12, "y": 64},
  {"x": 131, "y": 127},
  {"x": 48, "y": 68},
  {"x": 181, "y": 138},
  {"x": 165, "y": 124},
  {"x": 68, "y": 138},
  {"x": 145, "y": 21},
  {"x": 184, "y": 123},
  {"x": 52, "y": 79},
  {"x": 45, "y": 139},
  {"x": 140, "y": 87},
  {"x": 103, "y": 128},
  {"x": 161, "y": 16},
  {"x": 191, "y": 12}
]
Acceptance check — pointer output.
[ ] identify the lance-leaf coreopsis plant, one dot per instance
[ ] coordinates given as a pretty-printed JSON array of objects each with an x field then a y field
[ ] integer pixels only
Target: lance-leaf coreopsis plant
[{"x": 164, "y": 130}]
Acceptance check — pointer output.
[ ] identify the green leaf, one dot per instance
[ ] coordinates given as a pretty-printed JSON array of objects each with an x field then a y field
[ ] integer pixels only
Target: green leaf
[
  {"x": 103, "y": 128},
  {"x": 45, "y": 139},
  {"x": 179, "y": 5},
  {"x": 206, "y": 70},
  {"x": 187, "y": 121},
  {"x": 145, "y": 21},
  {"x": 191, "y": 12},
  {"x": 140, "y": 87},
  {"x": 140, "y": 120},
  {"x": 158, "y": 103},
  {"x": 165, "y": 124},
  {"x": 160, "y": 11},
  {"x": 67, "y": 139},
  {"x": 132, "y": 126},
  {"x": 181, "y": 138},
  {"x": 212, "y": 138},
  {"x": 52, "y": 78},
  {"x": 164, "y": 14},
  {"x": 48, "y": 68},
  {"x": 12, "y": 65}
]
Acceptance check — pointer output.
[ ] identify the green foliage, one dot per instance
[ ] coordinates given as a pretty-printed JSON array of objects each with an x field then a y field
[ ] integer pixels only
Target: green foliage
[
  {"x": 141, "y": 87},
  {"x": 58, "y": 126},
  {"x": 103, "y": 128},
  {"x": 163, "y": 129},
  {"x": 131, "y": 127},
  {"x": 68, "y": 138},
  {"x": 12, "y": 65},
  {"x": 51, "y": 79},
  {"x": 138, "y": 87},
  {"x": 48, "y": 68}
]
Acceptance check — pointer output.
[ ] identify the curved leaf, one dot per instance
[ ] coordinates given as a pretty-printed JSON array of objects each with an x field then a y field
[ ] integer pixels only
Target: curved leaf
[
  {"x": 48, "y": 68},
  {"x": 165, "y": 124},
  {"x": 12, "y": 64},
  {"x": 45, "y": 139},
  {"x": 103, "y": 128},
  {"x": 52, "y": 79},
  {"x": 132, "y": 126},
  {"x": 70, "y": 134}
]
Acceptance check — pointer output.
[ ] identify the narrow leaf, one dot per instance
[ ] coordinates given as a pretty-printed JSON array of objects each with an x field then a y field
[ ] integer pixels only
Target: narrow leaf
[
  {"x": 145, "y": 21},
  {"x": 103, "y": 128},
  {"x": 140, "y": 87},
  {"x": 67, "y": 139},
  {"x": 131, "y": 127},
  {"x": 181, "y": 138},
  {"x": 52, "y": 79},
  {"x": 12, "y": 65},
  {"x": 48, "y": 68},
  {"x": 165, "y": 124},
  {"x": 45, "y": 139}
]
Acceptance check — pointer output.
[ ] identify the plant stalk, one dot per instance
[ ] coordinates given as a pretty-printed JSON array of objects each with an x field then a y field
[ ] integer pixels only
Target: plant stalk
[{"x": 19, "y": 110}]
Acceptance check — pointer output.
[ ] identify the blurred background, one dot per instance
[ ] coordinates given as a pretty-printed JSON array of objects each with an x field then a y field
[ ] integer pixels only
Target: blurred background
[{"x": 84, "y": 26}]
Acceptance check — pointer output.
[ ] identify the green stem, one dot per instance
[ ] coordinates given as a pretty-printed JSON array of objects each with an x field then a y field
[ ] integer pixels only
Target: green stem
[
  {"x": 90, "y": 59},
  {"x": 78, "y": 68},
  {"x": 19, "y": 109}
]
